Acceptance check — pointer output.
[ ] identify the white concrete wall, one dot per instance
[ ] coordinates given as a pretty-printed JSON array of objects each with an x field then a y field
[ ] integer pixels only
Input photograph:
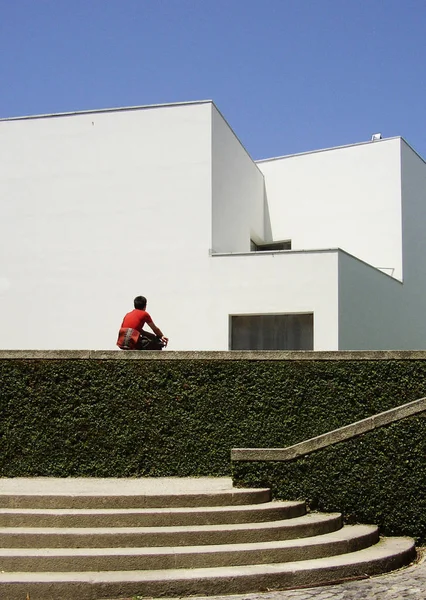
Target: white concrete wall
[
  {"x": 95, "y": 209},
  {"x": 268, "y": 283},
  {"x": 376, "y": 312},
  {"x": 414, "y": 244},
  {"x": 347, "y": 197},
  {"x": 371, "y": 308},
  {"x": 237, "y": 192}
]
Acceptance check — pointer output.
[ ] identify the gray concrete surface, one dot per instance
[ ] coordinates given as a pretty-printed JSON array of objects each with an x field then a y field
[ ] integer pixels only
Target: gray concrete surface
[
  {"x": 86, "y": 493},
  {"x": 212, "y": 355},
  {"x": 404, "y": 584},
  {"x": 150, "y": 517},
  {"x": 46, "y": 486},
  {"x": 348, "y": 539},
  {"x": 93, "y": 585}
]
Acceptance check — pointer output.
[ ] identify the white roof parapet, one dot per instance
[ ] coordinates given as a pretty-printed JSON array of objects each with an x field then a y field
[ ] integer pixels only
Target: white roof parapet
[
  {"x": 105, "y": 110},
  {"x": 365, "y": 143}
]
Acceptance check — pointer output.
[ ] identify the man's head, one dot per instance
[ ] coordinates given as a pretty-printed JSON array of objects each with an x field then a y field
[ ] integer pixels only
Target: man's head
[{"x": 140, "y": 302}]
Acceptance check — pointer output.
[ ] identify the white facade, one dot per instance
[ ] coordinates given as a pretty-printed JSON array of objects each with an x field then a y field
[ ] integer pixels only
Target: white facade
[{"x": 164, "y": 201}]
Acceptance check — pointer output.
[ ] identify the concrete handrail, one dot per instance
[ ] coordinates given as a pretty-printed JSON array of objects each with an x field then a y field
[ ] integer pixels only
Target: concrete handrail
[{"x": 332, "y": 437}]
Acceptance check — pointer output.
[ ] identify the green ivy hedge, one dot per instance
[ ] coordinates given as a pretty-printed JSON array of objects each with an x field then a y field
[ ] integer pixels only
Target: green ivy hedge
[
  {"x": 379, "y": 477},
  {"x": 121, "y": 418}
]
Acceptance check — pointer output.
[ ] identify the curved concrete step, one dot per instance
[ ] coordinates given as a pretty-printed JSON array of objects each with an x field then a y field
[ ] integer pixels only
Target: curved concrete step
[
  {"x": 231, "y": 497},
  {"x": 388, "y": 554},
  {"x": 108, "y": 537},
  {"x": 348, "y": 539},
  {"x": 150, "y": 517}
]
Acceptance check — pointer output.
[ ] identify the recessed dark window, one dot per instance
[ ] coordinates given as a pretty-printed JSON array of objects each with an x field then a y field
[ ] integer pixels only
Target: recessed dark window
[
  {"x": 286, "y": 245},
  {"x": 272, "y": 332}
]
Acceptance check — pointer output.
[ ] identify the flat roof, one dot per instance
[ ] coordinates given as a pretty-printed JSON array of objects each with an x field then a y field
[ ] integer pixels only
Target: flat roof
[
  {"x": 195, "y": 102},
  {"x": 330, "y": 148},
  {"x": 368, "y": 142}
]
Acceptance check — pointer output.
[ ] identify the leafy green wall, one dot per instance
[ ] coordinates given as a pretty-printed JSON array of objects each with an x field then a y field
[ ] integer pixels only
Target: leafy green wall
[
  {"x": 117, "y": 418},
  {"x": 379, "y": 477}
]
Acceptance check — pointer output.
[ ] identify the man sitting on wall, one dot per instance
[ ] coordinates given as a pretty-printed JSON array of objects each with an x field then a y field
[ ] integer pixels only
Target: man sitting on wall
[{"x": 132, "y": 336}]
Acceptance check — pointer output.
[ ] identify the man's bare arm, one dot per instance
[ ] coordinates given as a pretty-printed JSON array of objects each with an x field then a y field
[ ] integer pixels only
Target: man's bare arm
[{"x": 158, "y": 332}]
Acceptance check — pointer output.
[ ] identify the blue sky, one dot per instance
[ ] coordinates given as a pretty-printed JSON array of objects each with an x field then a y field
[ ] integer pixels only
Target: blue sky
[{"x": 288, "y": 75}]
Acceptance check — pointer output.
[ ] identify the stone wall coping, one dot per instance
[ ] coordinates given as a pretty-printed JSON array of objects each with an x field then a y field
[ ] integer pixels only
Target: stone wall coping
[
  {"x": 416, "y": 407},
  {"x": 264, "y": 355}
]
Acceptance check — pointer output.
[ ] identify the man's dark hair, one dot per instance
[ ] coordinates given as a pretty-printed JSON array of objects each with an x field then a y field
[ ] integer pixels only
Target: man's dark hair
[{"x": 140, "y": 302}]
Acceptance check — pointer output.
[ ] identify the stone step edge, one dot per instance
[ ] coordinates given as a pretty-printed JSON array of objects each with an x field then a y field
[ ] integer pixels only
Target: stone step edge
[
  {"x": 308, "y": 519},
  {"x": 348, "y": 539},
  {"x": 140, "y": 518},
  {"x": 150, "y": 517},
  {"x": 180, "y": 510},
  {"x": 388, "y": 554},
  {"x": 308, "y": 525},
  {"x": 234, "y": 496}
]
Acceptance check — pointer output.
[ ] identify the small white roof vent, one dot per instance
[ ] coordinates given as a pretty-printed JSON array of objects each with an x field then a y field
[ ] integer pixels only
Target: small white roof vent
[{"x": 376, "y": 136}]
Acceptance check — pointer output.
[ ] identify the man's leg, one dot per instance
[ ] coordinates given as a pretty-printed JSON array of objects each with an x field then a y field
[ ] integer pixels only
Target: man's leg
[{"x": 149, "y": 341}]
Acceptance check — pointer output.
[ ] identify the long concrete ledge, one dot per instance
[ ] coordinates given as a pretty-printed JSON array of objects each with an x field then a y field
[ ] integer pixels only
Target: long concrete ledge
[
  {"x": 265, "y": 355},
  {"x": 333, "y": 437}
]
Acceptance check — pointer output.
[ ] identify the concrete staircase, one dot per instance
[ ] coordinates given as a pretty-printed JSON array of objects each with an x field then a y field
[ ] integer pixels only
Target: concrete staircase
[{"x": 91, "y": 539}]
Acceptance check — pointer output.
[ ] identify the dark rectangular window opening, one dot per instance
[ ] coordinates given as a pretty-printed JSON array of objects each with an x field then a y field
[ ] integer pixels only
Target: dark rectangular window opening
[
  {"x": 272, "y": 332},
  {"x": 285, "y": 245}
]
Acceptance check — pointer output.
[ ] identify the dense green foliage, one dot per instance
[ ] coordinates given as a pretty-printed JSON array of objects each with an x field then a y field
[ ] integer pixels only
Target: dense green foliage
[
  {"x": 379, "y": 477},
  {"x": 120, "y": 418}
]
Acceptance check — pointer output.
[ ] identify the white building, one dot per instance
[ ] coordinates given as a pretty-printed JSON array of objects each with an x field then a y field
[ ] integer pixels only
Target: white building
[{"x": 323, "y": 250}]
